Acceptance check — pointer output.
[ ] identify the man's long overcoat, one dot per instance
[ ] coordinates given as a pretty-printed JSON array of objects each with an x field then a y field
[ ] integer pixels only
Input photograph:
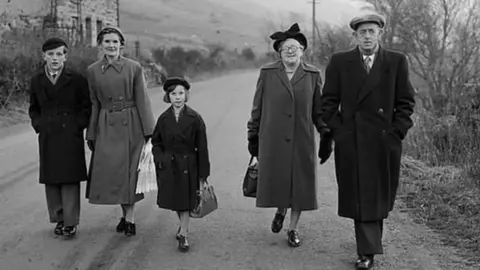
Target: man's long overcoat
[
  {"x": 284, "y": 116},
  {"x": 59, "y": 114},
  {"x": 181, "y": 151},
  {"x": 121, "y": 118},
  {"x": 369, "y": 115}
]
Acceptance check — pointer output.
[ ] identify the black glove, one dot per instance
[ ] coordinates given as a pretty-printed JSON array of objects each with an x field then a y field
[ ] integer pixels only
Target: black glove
[
  {"x": 91, "y": 145},
  {"x": 326, "y": 147},
  {"x": 253, "y": 148}
]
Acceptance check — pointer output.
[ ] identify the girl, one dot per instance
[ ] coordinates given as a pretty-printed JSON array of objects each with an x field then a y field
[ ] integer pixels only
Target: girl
[
  {"x": 181, "y": 155},
  {"x": 122, "y": 120}
]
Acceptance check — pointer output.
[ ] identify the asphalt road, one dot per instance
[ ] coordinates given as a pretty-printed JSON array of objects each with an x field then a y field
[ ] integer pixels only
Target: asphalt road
[{"x": 236, "y": 236}]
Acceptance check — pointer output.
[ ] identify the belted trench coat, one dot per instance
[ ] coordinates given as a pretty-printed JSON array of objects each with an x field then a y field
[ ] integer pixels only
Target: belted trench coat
[
  {"x": 59, "y": 114},
  {"x": 369, "y": 115},
  {"x": 121, "y": 118},
  {"x": 283, "y": 119}
]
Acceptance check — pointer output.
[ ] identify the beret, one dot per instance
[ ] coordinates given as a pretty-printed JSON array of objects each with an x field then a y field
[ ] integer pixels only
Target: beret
[
  {"x": 367, "y": 18},
  {"x": 172, "y": 82},
  {"x": 292, "y": 32},
  {"x": 53, "y": 43},
  {"x": 111, "y": 29}
]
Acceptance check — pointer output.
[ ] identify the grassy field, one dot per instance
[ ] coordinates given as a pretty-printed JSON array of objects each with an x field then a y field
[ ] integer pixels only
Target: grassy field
[{"x": 192, "y": 23}]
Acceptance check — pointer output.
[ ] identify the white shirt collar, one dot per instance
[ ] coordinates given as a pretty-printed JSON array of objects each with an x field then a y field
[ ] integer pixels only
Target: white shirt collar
[{"x": 372, "y": 57}]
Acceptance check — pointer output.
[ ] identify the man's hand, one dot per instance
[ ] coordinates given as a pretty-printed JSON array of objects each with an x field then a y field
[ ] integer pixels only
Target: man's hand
[{"x": 326, "y": 147}]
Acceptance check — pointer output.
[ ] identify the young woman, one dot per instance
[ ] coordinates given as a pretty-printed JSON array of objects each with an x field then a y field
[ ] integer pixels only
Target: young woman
[
  {"x": 121, "y": 122},
  {"x": 181, "y": 155}
]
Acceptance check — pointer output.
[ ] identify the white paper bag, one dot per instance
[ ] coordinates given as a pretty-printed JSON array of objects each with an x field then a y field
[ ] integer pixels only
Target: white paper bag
[{"x": 147, "y": 177}]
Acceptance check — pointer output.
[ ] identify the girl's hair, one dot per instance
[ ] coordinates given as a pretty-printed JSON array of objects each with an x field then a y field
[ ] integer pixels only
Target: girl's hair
[
  {"x": 110, "y": 30},
  {"x": 166, "y": 97}
]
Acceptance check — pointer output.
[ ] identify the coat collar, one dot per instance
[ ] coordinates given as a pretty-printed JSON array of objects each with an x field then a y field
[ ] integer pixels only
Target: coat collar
[
  {"x": 367, "y": 81},
  {"x": 301, "y": 71},
  {"x": 64, "y": 78},
  {"x": 116, "y": 64}
]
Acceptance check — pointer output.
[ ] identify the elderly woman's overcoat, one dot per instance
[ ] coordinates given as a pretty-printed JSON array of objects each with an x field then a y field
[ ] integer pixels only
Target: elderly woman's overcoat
[
  {"x": 59, "y": 114},
  {"x": 121, "y": 118},
  {"x": 180, "y": 151},
  {"x": 284, "y": 116}
]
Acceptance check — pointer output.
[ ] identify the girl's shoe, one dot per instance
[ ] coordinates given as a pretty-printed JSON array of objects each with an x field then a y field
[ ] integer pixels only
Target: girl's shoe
[
  {"x": 177, "y": 236},
  {"x": 293, "y": 239},
  {"x": 69, "y": 231},
  {"x": 277, "y": 223},
  {"x": 59, "y": 228},
  {"x": 130, "y": 229},
  {"x": 183, "y": 244},
  {"x": 121, "y": 225}
]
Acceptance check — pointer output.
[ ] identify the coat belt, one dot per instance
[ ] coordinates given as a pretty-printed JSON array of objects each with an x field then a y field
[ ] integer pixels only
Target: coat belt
[{"x": 118, "y": 106}]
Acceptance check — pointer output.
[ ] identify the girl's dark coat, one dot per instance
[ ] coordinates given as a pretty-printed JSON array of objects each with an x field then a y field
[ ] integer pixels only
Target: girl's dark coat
[
  {"x": 181, "y": 152},
  {"x": 59, "y": 114}
]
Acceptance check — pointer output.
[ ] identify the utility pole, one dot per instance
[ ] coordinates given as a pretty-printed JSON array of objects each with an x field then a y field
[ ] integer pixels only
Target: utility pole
[{"x": 313, "y": 2}]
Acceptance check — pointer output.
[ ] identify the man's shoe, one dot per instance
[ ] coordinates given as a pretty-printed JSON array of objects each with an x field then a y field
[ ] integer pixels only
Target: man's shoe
[
  {"x": 364, "y": 262},
  {"x": 59, "y": 228},
  {"x": 183, "y": 244},
  {"x": 69, "y": 231}
]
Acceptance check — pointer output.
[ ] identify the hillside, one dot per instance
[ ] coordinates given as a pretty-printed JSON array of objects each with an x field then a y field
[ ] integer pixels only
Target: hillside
[{"x": 194, "y": 23}]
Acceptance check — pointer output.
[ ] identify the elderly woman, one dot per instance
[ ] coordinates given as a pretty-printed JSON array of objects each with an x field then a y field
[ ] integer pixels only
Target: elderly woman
[
  {"x": 281, "y": 132},
  {"x": 121, "y": 122}
]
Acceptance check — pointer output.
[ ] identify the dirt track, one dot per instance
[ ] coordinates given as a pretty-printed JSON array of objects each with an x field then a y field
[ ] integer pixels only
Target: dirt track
[{"x": 236, "y": 236}]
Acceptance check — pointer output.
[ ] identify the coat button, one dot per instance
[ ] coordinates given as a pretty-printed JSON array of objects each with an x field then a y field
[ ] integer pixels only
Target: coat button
[
  {"x": 63, "y": 125},
  {"x": 384, "y": 132},
  {"x": 120, "y": 98},
  {"x": 184, "y": 157},
  {"x": 287, "y": 139},
  {"x": 185, "y": 172},
  {"x": 125, "y": 123},
  {"x": 380, "y": 110}
]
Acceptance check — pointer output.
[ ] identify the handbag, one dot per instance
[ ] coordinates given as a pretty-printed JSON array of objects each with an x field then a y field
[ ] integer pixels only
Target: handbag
[
  {"x": 250, "y": 180},
  {"x": 206, "y": 201},
  {"x": 147, "y": 175}
]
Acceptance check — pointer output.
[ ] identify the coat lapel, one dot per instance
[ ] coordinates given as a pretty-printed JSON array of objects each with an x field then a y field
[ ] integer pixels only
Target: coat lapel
[
  {"x": 64, "y": 79},
  {"x": 379, "y": 68},
  {"x": 299, "y": 74},
  {"x": 357, "y": 69},
  {"x": 280, "y": 71}
]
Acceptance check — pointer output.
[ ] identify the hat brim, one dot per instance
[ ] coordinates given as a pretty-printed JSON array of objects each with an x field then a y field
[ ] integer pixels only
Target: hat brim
[{"x": 301, "y": 38}]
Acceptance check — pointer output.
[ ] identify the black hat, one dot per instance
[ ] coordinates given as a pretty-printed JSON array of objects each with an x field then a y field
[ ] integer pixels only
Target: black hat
[
  {"x": 53, "y": 43},
  {"x": 293, "y": 32},
  {"x": 367, "y": 18},
  {"x": 171, "y": 83}
]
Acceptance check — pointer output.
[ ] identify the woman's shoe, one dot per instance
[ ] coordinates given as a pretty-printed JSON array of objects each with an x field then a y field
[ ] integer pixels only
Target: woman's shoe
[
  {"x": 121, "y": 225},
  {"x": 130, "y": 229},
  {"x": 293, "y": 239},
  {"x": 183, "y": 244},
  {"x": 277, "y": 223}
]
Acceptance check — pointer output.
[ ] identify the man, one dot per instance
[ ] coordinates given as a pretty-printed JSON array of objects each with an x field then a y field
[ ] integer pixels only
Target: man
[
  {"x": 59, "y": 111},
  {"x": 367, "y": 104}
]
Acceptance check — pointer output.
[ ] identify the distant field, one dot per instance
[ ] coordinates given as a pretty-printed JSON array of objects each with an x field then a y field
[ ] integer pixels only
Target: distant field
[{"x": 191, "y": 23}]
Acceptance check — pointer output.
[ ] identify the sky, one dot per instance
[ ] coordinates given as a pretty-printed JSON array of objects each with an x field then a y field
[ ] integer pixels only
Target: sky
[{"x": 337, "y": 12}]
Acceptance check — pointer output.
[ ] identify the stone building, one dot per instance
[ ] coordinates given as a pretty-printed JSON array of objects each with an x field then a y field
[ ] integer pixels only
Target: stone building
[{"x": 82, "y": 18}]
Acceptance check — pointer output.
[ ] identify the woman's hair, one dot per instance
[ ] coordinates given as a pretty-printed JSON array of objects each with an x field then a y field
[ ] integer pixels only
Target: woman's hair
[
  {"x": 109, "y": 30},
  {"x": 166, "y": 97}
]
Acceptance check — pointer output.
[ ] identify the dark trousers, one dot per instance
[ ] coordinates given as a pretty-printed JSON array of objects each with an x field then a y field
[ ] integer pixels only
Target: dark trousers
[
  {"x": 63, "y": 203},
  {"x": 369, "y": 237}
]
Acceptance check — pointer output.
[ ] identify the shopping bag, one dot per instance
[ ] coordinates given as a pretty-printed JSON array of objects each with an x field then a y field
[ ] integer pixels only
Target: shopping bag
[
  {"x": 206, "y": 201},
  {"x": 251, "y": 179},
  {"x": 147, "y": 176}
]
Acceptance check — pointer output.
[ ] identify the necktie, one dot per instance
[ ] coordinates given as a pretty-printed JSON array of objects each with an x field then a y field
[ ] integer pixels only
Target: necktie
[{"x": 368, "y": 61}]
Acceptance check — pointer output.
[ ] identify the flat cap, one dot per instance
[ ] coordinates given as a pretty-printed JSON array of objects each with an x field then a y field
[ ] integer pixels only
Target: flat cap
[
  {"x": 367, "y": 18},
  {"x": 53, "y": 43},
  {"x": 172, "y": 82}
]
